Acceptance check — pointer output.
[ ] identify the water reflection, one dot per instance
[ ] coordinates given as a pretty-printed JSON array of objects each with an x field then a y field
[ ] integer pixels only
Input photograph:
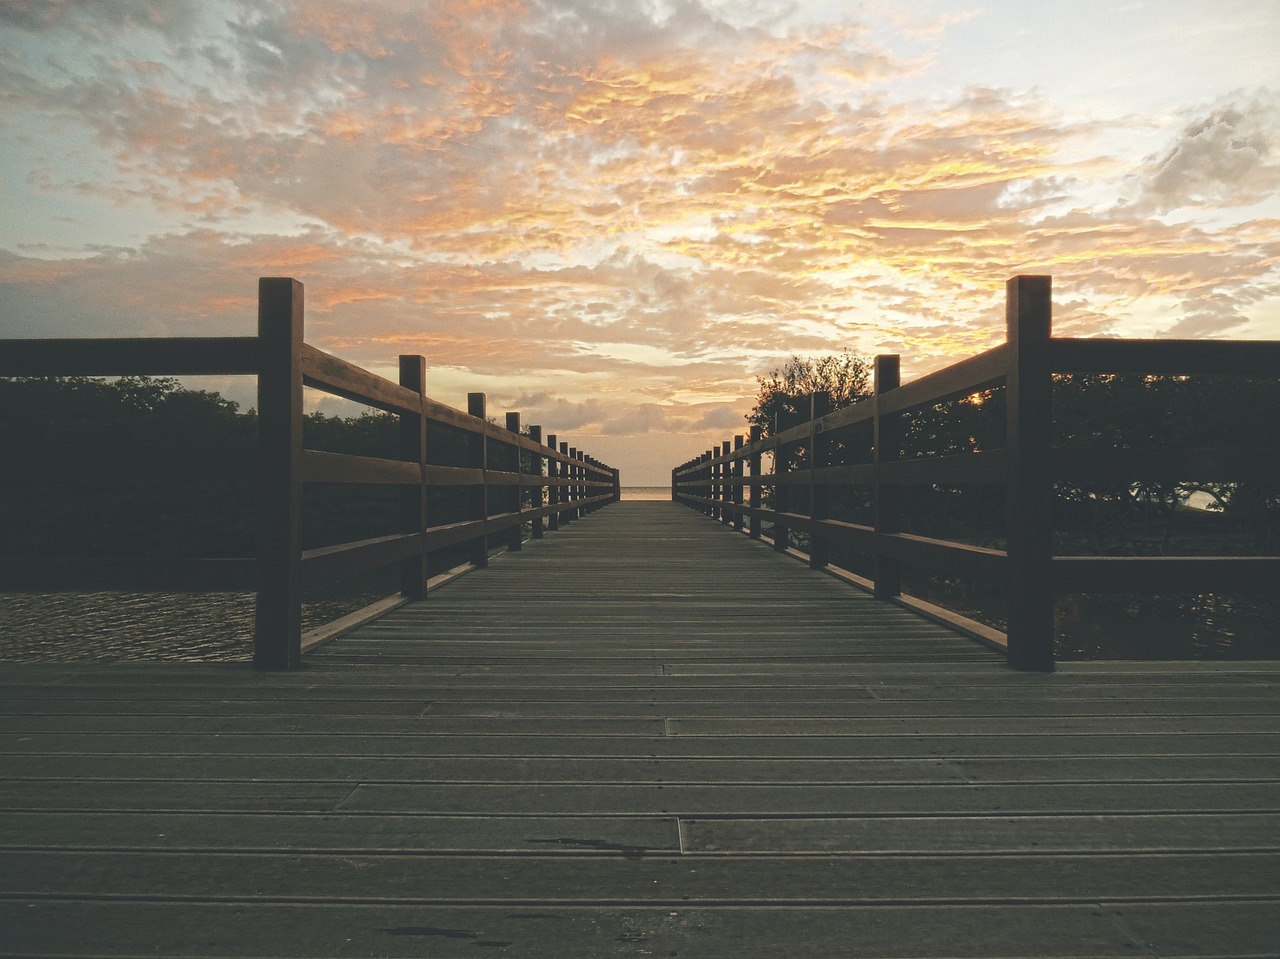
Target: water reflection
[{"x": 148, "y": 627}]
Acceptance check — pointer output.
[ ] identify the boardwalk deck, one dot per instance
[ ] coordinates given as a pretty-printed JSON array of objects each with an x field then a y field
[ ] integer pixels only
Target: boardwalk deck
[{"x": 642, "y": 736}]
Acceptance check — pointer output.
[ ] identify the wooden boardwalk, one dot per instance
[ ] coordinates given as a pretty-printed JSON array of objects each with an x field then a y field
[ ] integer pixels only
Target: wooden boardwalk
[{"x": 642, "y": 736}]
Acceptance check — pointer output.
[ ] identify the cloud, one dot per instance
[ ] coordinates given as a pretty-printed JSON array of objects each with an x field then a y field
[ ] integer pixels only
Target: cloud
[
  {"x": 1229, "y": 157},
  {"x": 101, "y": 18},
  {"x": 644, "y": 418},
  {"x": 614, "y": 212},
  {"x": 724, "y": 416}
]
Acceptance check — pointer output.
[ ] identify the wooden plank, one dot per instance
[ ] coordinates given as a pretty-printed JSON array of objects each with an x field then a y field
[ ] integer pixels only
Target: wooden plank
[
  {"x": 350, "y": 559},
  {"x": 1048, "y": 834},
  {"x": 552, "y": 929},
  {"x": 988, "y": 565},
  {"x": 879, "y": 881},
  {"x": 978, "y": 373},
  {"x": 577, "y": 743},
  {"x": 501, "y": 478},
  {"x": 1165, "y": 357},
  {"x": 551, "y": 770},
  {"x": 589, "y": 836},
  {"x": 450, "y": 534},
  {"x": 453, "y": 476},
  {"x": 442, "y": 413},
  {"x": 131, "y": 356},
  {"x": 323, "y": 467},
  {"x": 707, "y": 729},
  {"x": 985, "y": 466},
  {"x": 334, "y": 375}
]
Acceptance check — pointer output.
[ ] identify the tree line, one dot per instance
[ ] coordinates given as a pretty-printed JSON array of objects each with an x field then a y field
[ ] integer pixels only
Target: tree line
[
  {"x": 1089, "y": 411},
  {"x": 82, "y": 517}
]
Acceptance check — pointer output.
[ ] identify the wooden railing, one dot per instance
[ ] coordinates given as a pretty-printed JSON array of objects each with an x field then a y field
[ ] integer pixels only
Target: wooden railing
[
  {"x": 575, "y": 483},
  {"x": 1027, "y": 466}
]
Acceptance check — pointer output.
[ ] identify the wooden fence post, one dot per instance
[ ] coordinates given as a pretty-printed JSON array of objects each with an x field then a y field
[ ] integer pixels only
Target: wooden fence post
[
  {"x": 1029, "y": 399},
  {"x": 535, "y": 434},
  {"x": 478, "y": 459},
  {"x": 413, "y": 499},
  {"x": 515, "y": 536},
  {"x": 709, "y": 476},
  {"x": 887, "y": 448},
  {"x": 715, "y": 483},
  {"x": 277, "y": 634},
  {"x": 575, "y": 490},
  {"x": 819, "y": 496},
  {"x": 781, "y": 535},
  {"x": 617, "y": 484},
  {"x": 726, "y": 490},
  {"x": 566, "y": 491},
  {"x": 755, "y": 485},
  {"x": 739, "y": 521},
  {"x": 553, "y": 491}
]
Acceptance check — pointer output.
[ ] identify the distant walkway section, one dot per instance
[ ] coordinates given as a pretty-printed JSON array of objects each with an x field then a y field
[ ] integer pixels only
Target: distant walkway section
[{"x": 609, "y": 745}]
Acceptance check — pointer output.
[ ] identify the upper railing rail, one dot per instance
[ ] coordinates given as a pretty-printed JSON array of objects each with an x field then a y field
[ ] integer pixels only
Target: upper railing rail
[
  {"x": 553, "y": 483},
  {"x": 726, "y": 481}
]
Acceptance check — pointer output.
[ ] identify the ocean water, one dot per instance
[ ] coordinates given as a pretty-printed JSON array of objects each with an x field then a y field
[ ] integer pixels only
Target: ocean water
[{"x": 648, "y": 493}]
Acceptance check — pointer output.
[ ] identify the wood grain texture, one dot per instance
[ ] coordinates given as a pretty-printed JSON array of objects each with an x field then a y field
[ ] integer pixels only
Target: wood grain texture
[{"x": 642, "y": 735}]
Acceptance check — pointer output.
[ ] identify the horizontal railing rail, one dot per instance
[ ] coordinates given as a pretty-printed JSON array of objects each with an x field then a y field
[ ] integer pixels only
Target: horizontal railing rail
[
  {"x": 552, "y": 483},
  {"x": 727, "y": 481}
]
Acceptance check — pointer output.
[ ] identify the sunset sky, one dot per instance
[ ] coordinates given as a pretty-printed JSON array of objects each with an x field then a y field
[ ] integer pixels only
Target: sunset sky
[{"x": 611, "y": 215}]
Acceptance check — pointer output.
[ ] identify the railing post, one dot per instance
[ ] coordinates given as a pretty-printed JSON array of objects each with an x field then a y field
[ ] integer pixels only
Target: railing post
[
  {"x": 819, "y": 406},
  {"x": 755, "y": 485},
  {"x": 714, "y": 468},
  {"x": 277, "y": 634},
  {"x": 413, "y": 499},
  {"x": 781, "y": 535},
  {"x": 739, "y": 522},
  {"x": 726, "y": 491},
  {"x": 617, "y": 484},
  {"x": 553, "y": 491},
  {"x": 575, "y": 490},
  {"x": 515, "y": 536},
  {"x": 709, "y": 491},
  {"x": 478, "y": 459},
  {"x": 887, "y": 448},
  {"x": 566, "y": 491},
  {"x": 535, "y": 434},
  {"x": 1029, "y": 400}
]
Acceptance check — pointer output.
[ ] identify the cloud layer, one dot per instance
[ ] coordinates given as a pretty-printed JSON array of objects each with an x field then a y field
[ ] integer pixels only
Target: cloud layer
[{"x": 608, "y": 214}]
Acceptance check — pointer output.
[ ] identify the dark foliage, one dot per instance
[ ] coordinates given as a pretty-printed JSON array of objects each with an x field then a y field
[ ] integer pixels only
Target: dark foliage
[{"x": 195, "y": 519}]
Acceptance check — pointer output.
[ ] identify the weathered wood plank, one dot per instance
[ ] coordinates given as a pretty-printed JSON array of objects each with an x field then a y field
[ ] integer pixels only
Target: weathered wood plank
[
  {"x": 1046, "y": 834},
  {"x": 710, "y": 751},
  {"x": 903, "y": 880},
  {"x": 557, "y": 930}
]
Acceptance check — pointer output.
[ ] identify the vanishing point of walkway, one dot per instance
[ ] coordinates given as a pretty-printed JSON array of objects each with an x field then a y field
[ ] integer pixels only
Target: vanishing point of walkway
[{"x": 644, "y": 735}]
